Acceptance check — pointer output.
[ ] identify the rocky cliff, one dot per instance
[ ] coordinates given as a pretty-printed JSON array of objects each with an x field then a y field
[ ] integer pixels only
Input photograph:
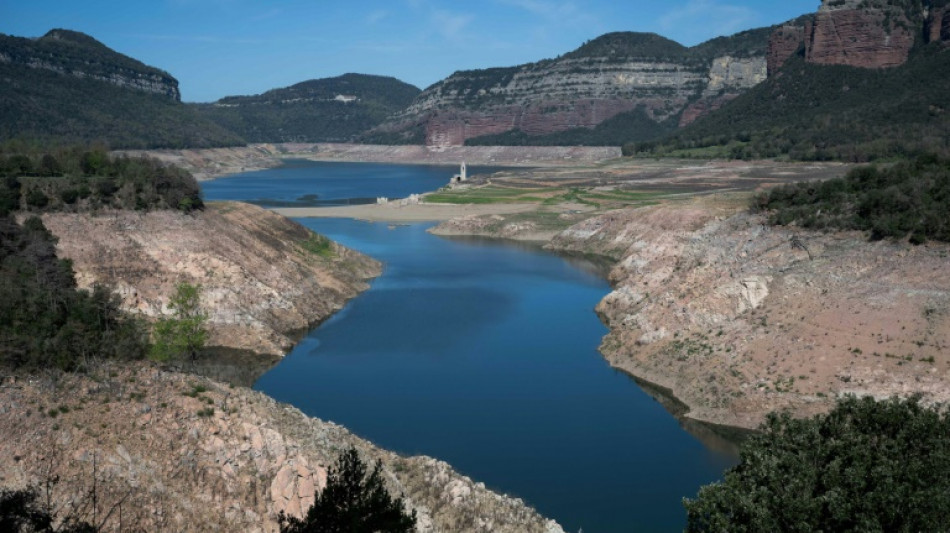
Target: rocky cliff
[
  {"x": 861, "y": 33},
  {"x": 80, "y": 56},
  {"x": 165, "y": 451},
  {"x": 265, "y": 278},
  {"x": 616, "y": 73}
]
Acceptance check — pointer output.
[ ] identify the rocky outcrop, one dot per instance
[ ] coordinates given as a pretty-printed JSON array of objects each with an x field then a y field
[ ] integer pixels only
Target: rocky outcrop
[
  {"x": 869, "y": 37},
  {"x": 264, "y": 278},
  {"x": 938, "y": 25},
  {"x": 785, "y": 42},
  {"x": 165, "y": 451},
  {"x": 581, "y": 90},
  {"x": 739, "y": 319},
  {"x": 859, "y": 33},
  {"x": 78, "y": 55}
]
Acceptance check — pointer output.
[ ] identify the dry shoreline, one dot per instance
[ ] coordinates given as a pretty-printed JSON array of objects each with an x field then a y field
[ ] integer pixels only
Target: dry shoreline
[
  {"x": 393, "y": 212},
  {"x": 211, "y": 163}
]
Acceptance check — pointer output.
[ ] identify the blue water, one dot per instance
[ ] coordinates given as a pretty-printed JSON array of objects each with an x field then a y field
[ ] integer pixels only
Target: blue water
[
  {"x": 485, "y": 355},
  {"x": 306, "y": 183}
]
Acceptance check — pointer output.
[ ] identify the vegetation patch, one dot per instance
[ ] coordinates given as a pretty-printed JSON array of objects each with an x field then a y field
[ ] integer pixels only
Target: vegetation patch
[
  {"x": 317, "y": 245},
  {"x": 45, "y": 321},
  {"x": 77, "y": 179},
  {"x": 825, "y": 112},
  {"x": 866, "y": 466},
  {"x": 909, "y": 199}
]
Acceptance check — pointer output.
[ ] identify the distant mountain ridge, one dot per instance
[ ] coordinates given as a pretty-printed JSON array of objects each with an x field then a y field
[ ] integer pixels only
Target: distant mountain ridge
[
  {"x": 644, "y": 76},
  {"x": 321, "y": 110},
  {"x": 67, "y": 87},
  {"x": 76, "y": 54}
]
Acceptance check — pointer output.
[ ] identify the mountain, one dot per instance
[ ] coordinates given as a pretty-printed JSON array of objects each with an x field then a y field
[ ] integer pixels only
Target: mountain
[
  {"x": 860, "y": 80},
  {"x": 637, "y": 79},
  {"x": 67, "y": 87},
  {"x": 330, "y": 109}
]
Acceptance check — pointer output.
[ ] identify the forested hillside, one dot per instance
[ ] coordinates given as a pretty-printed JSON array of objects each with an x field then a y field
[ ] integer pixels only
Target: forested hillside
[
  {"x": 66, "y": 88},
  {"x": 826, "y": 112},
  {"x": 324, "y": 110}
]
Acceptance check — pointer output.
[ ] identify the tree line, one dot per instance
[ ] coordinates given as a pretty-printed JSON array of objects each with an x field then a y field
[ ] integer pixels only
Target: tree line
[
  {"x": 80, "y": 178},
  {"x": 910, "y": 199}
]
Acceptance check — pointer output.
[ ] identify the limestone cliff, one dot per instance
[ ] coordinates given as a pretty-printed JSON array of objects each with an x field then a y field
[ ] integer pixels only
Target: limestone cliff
[
  {"x": 80, "y": 56},
  {"x": 265, "y": 278},
  {"x": 172, "y": 452},
  {"x": 861, "y": 33},
  {"x": 614, "y": 74}
]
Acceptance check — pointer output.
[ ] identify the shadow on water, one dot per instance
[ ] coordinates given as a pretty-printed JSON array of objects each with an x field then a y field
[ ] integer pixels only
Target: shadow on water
[
  {"x": 597, "y": 265},
  {"x": 719, "y": 438},
  {"x": 241, "y": 368}
]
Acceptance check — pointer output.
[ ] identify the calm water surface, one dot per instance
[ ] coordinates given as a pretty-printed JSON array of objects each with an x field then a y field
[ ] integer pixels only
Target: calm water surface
[{"x": 485, "y": 355}]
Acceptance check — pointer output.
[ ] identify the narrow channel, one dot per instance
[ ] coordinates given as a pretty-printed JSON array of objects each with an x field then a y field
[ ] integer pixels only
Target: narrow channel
[{"x": 484, "y": 355}]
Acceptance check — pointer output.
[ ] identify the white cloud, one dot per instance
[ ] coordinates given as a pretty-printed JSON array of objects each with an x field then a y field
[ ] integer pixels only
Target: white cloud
[{"x": 700, "y": 20}]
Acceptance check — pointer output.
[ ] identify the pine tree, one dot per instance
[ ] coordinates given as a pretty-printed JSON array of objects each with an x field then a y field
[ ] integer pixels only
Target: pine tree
[{"x": 352, "y": 502}]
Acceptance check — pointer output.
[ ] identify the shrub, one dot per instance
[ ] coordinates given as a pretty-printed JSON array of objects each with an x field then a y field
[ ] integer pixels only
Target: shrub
[{"x": 865, "y": 466}]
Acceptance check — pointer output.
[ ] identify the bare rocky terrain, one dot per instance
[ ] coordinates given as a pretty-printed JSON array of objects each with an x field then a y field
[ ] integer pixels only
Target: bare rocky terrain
[
  {"x": 166, "y": 451},
  {"x": 136, "y": 446},
  {"x": 261, "y": 286},
  {"x": 736, "y": 318}
]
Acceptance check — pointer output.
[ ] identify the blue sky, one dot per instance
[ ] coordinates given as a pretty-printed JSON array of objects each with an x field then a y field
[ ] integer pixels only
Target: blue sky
[{"x": 224, "y": 47}]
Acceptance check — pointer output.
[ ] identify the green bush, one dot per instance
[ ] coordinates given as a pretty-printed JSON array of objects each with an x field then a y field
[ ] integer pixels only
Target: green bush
[
  {"x": 909, "y": 199},
  {"x": 865, "y": 466}
]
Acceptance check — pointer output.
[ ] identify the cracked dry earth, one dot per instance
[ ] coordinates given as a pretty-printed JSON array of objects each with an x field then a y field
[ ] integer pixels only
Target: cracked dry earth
[
  {"x": 738, "y": 319},
  {"x": 173, "y": 452}
]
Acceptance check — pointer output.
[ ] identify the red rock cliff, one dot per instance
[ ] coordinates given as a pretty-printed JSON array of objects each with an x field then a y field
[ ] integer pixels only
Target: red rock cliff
[
  {"x": 867, "y": 37},
  {"x": 782, "y": 45},
  {"x": 851, "y": 32}
]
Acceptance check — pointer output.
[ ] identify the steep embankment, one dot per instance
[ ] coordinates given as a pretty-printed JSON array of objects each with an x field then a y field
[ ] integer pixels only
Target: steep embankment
[
  {"x": 738, "y": 319},
  {"x": 639, "y": 79},
  {"x": 265, "y": 278},
  {"x": 171, "y": 452}
]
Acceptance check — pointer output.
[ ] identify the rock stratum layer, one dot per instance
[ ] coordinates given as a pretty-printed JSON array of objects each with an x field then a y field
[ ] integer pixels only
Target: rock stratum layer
[
  {"x": 172, "y": 452},
  {"x": 616, "y": 73},
  {"x": 739, "y": 319},
  {"x": 261, "y": 283},
  {"x": 860, "y": 33},
  {"x": 80, "y": 56}
]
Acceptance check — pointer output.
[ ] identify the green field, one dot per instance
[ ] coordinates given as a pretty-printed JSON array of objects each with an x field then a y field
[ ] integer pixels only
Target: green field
[{"x": 494, "y": 194}]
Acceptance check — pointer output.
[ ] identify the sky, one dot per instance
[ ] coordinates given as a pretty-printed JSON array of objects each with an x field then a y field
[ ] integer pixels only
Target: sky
[{"x": 217, "y": 48}]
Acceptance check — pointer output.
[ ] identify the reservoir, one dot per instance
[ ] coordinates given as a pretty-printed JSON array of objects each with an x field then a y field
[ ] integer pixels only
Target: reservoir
[{"x": 482, "y": 354}]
